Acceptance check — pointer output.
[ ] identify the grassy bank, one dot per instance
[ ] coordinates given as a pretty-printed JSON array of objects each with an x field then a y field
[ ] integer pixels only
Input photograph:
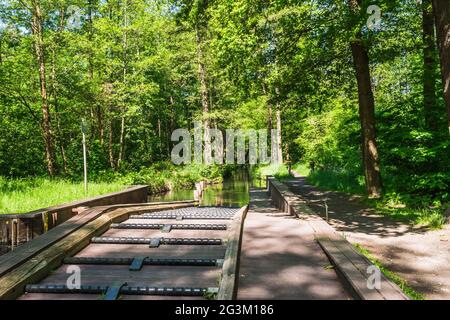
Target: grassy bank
[
  {"x": 416, "y": 209},
  {"x": 165, "y": 176},
  {"x": 24, "y": 195},
  {"x": 277, "y": 170}
]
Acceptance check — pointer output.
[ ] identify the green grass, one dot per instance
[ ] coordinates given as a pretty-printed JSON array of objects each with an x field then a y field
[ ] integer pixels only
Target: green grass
[
  {"x": 279, "y": 171},
  {"x": 403, "y": 285},
  {"x": 431, "y": 218},
  {"x": 24, "y": 195},
  {"x": 301, "y": 169},
  {"x": 342, "y": 181}
]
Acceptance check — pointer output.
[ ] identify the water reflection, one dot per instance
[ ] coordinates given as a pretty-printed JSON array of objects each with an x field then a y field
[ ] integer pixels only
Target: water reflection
[{"x": 233, "y": 192}]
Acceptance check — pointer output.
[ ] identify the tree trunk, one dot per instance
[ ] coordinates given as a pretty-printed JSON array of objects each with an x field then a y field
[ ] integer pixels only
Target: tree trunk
[
  {"x": 441, "y": 9},
  {"x": 429, "y": 64},
  {"x": 110, "y": 144},
  {"x": 371, "y": 161},
  {"x": 269, "y": 111},
  {"x": 36, "y": 26},
  {"x": 278, "y": 116},
  {"x": 56, "y": 106},
  {"x": 125, "y": 64},
  {"x": 121, "y": 142},
  {"x": 171, "y": 125},
  {"x": 204, "y": 98},
  {"x": 54, "y": 85}
]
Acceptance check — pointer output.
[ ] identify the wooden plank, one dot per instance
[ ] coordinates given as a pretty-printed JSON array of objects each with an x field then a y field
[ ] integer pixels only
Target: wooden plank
[
  {"x": 34, "y": 269},
  {"x": 62, "y": 296},
  {"x": 151, "y": 276},
  {"x": 356, "y": 281},
  {"x": 30, "y": 249},
  {"x": 74, "y": 204},
  {"x": 174, "y": 233},
  {"x": 389, "y": 290},
  {"x": 131, "y": 251},
  {"x": 230, "y": 270}
]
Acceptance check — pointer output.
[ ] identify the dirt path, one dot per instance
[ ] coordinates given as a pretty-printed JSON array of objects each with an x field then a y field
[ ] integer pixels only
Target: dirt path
[{"x": 419, "y": 256}]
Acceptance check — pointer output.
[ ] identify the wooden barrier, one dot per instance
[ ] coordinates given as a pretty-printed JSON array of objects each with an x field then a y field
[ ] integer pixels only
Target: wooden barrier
[
  {"x": 230, "y": 270},
  {"x": 16, "y": 229}
]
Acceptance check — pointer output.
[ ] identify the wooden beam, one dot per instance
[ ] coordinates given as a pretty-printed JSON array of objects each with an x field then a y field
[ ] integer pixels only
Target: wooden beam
[
  {"x": 28, "y": 250},
  {"x": 230, "y": 270}
]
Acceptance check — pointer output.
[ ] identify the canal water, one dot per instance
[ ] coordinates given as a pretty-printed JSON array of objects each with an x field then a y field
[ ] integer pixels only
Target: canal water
[{"x": 234, "y": 191}]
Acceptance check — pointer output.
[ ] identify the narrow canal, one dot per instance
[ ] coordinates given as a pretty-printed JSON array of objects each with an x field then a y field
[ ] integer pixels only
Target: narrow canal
[{"x": 232, "y": 192}]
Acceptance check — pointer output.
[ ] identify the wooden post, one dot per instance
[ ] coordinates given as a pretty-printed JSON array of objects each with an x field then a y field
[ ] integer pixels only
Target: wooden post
[{"x": 12, "y": 235}]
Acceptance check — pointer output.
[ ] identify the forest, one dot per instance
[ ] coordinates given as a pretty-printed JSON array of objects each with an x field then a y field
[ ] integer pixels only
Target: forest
[{"x": 359, "y": 90}]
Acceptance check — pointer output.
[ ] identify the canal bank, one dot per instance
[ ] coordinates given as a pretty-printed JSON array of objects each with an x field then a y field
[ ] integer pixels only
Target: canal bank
[{"x": 232, "y": 192}]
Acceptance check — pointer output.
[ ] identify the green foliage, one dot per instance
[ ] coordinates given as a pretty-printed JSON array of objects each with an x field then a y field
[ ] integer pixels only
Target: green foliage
[
  {"x": 339, "y": 180},
  {"x": 412, "y": 208},
  {"x": 279, "y": 171},
  {"x": 131, "y": 69},
  {"x": 164, "y": 176}
]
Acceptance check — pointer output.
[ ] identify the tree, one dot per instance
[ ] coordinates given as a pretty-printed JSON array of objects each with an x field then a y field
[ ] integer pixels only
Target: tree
[
  {"x": 429, "y": 66},
  {"x": 371, "y": 161},
  {"x": 441, "y": 9},
  {"x": 38, "y": 41}
]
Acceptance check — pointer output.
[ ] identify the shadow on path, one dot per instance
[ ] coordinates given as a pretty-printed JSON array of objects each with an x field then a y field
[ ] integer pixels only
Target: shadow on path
[
  {"x": 419, "y": 256},
  {"x": 280, "y": 258}
]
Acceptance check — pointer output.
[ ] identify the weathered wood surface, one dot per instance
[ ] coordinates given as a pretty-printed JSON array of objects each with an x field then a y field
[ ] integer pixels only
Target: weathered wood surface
[
  {"x": 354, "y": 268},
  {"x": 132, "y": 250},
  {"x": 153, "y": 276},
  {"x": 30, "y": 249},
  {"x": 47, "y": 267},
  {"x": 36, "y": 266},
  {"x": 230, "y": 270}
]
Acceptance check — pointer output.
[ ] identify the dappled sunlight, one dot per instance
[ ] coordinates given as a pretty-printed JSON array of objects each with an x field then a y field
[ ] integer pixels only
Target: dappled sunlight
[
  {"x": 280, "y": 258},
  {"x": 417, "y": 254}
]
